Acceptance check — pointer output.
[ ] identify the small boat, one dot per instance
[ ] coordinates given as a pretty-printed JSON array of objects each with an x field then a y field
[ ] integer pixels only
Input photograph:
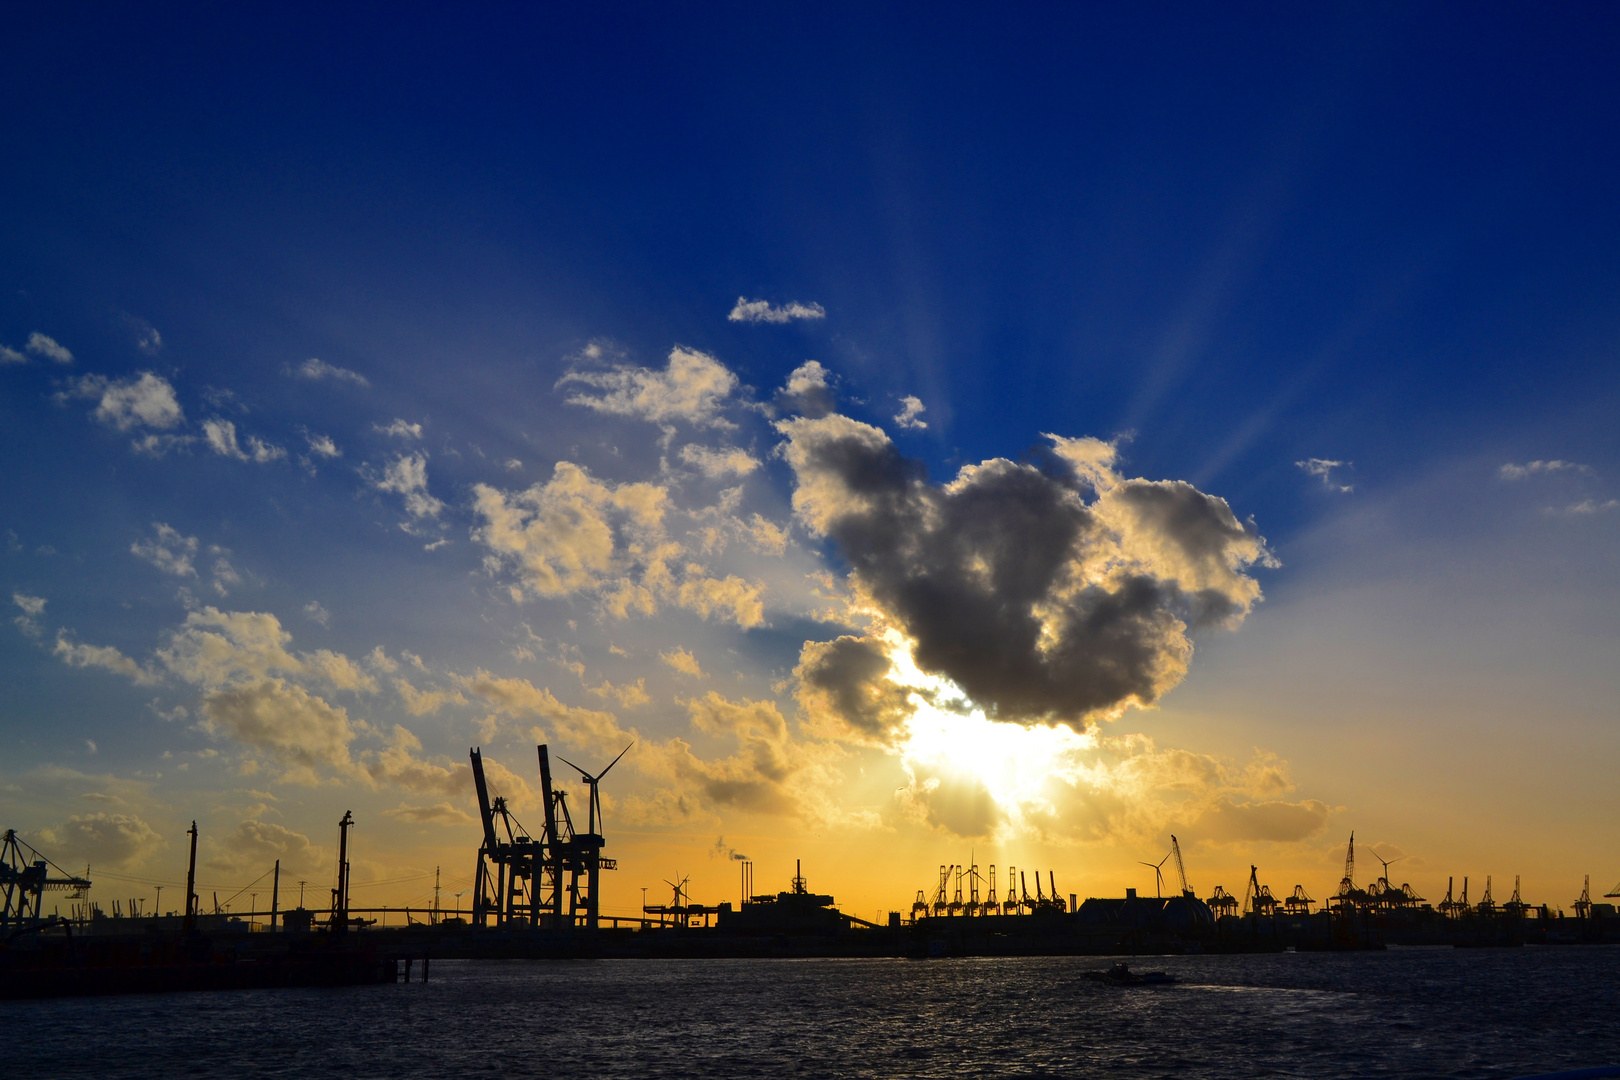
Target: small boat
[{"x": 1122, "y": 975}]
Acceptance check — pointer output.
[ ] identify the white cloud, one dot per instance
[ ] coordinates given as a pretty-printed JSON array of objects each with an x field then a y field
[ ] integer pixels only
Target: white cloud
[
  {"x": 11, "y": 356},
  {"x": 322, "y": 445},
  {"x": 168, "y": 550},
  {"x": 909, "y": 416},
  {"x": 1585, "y": 507},
  {"x": 156, "y": 446},
  {"x": 317, "y": 614},
  {"x": 40, "y": 345},
  {"x": 512, "y": 464},
  {"x": 147, "y": 338},
  {"x": 407, "y": 475},
  {"x": 1323, "y": 468},
  {"x": 725, "y": 461},
  {"x": 757, "y": 311},
  {"x": 691, "y": 389},
  {"x": 105, "y": 657},
  {"x": 221, "y": 436},
  {"x": 1511, "y": 471},
  {"x": 320, "y": 369},
  {"x": 399, "y": 429},
  {"x": 32, "y": 608},
  {"x": 144, "y": 400}
]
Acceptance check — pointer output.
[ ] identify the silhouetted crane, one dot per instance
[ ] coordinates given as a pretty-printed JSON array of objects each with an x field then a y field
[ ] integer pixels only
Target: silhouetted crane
[{"x": 1181, "y": 868}]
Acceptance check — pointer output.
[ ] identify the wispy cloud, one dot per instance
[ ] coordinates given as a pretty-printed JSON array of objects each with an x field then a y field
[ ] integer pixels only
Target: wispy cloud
[
  {"x": 1323, "y": 468},
  {"x": 322, "y": 445},
  {"x": 168, "y": 549},
  {"x": 32, "y": 608},
  {"x": 318, "y": 369},
  {"x": 11, "y": 356},
  {"x": 399, "y": 429},
  {"x": 691, "y": 389},
  {"x": 1511, "y": 471},
  {"x": 221, "y": 435},
  {"x": 757, "y": 311},
  {"x": 48, "y": 347},
  {"x": 1585, "y": 508},
  {"x": 407, "y": 475},
  {"x": 910, "y": 414}
]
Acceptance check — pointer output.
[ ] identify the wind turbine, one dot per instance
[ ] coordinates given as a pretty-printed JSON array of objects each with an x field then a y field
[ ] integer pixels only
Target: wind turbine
[
  {"x": 594, "y": 813},
  {"x": 1158, "y": 874}
]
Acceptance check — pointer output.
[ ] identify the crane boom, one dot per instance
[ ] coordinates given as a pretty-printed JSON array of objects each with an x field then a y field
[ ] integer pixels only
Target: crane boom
[{"x": 1181, "y": 869}]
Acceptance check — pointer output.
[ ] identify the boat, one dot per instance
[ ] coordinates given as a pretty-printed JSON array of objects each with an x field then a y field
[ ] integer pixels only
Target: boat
[{"x": 1122, "y": 975}]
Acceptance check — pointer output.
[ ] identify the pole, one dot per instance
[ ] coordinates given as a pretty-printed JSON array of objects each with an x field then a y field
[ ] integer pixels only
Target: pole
[
  {"x": 435, "y": 905},
  {"x": 340, "y": 897},
  {"x": 191, "y": 883},
  {"x": 275, "y": 895}
]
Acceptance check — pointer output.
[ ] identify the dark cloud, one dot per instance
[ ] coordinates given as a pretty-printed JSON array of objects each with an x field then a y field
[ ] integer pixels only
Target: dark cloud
[
  {"x": 844, "y": 682},
  {"x": 1038, "y": 604}
]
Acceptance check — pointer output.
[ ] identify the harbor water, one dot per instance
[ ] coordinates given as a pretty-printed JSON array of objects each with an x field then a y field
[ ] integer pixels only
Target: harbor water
[{"x": 1402, "y": 1013}]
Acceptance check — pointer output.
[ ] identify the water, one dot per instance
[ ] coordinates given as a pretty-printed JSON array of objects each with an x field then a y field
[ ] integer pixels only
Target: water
[{"x": 1403, "y": 1013}]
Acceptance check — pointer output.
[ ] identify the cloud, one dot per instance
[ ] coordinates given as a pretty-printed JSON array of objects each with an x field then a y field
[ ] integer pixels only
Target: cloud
[
  {"x": 438, "y": 814},
  {"x": 40, "y": 345},
  {"x": 320, "y": 369},
  {"x": 844, "y": 689},
  {"x": 1323, "y": 468},
  {"x": 1274, "y": 820},
  {"x": 215, "y": 648},
  {"x": 692, "y": 390},
  {"x": 425, "y": 702},
  {"x": 284, "y": 720},
  {"x": 117, "y": 840},
  {"x": 11, "y": 356},
  {"x": 726, "y": 461},
  {"x": 168, "y": 550},
  {"x": 105, "y": 657},
  {"x": 770, "y": 772},
  {"x": 521, "y": 699},
  {"x": 1585, "y": 508},
  {"x": 32, "y": 608},
  {"x": 142, "y": 400},
  {"x": 1037, "y": 604},
  {"x": 761, "y": 311},
  {"x": 808, "y": 391},
  {"x": 322, "y": 445},
  {"x": 407, "y": 475},
  {"x": 682, "y": 661},
  {"x": 254, "y": 845},
  {"x": 1511, "y": 471},
  {"x": 147, "y": 338},
  {"x": 221, "y": 436},
  {"x": 573, "y": 533},
  {"x": 910, "y": 415},
  {"x": 628, "y": 695},
  {"x": 317, "y": 614},
  {"x": 399, "y": 429}
]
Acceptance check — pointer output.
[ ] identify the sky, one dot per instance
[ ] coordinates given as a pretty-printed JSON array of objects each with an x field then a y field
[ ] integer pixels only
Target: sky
[{"x": 1007, "y": 435}]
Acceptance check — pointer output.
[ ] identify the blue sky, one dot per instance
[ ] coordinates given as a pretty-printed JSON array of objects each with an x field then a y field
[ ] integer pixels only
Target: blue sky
[{"x": 1224, "y": 243}]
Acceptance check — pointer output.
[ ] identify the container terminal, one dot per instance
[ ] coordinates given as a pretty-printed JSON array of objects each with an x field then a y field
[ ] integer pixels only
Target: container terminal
[{"x": 536, "y": 895}]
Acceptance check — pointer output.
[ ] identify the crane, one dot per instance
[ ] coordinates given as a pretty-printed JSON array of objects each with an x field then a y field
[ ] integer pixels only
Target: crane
[{"x": 1181, "y": 868}]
